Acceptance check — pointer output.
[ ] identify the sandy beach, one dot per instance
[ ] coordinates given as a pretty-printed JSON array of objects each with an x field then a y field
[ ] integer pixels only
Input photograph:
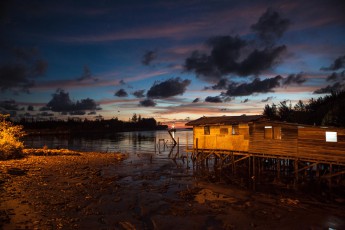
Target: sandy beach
[{"x": 112, "y": 191}]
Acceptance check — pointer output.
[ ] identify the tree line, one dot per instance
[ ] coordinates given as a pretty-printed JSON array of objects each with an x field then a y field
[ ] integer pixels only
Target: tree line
[
  {"x": 79, "y": 126},
  {"x": 328, "y": 110}
]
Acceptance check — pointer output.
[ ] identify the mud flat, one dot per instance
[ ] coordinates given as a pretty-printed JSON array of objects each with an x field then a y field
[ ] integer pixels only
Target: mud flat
[{"x": 132, "y": 191}]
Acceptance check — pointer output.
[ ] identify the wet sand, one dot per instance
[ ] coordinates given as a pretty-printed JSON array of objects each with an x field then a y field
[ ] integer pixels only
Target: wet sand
[{"x": 116, "y": 191}]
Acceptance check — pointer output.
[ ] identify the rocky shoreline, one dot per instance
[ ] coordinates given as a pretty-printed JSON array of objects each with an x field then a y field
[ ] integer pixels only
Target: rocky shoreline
[{"x": 112, "y": 191}]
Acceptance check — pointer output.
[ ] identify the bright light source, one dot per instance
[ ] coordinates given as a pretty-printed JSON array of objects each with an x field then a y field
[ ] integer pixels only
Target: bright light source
[{"x": 331, "y": 137}]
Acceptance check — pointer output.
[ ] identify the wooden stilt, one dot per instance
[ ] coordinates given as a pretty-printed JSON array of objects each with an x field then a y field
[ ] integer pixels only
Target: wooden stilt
[
  {"x": 232, "y": 163},
  {"x": 249, "y": 168},
  {"x": 296, "y": 172},
  {"x": 253, "y": 176},
  {"x": 330, "y": 179},
  {"x": 197, "y": 148},
  {"x": 278, "y": 169},
  {"x": 317, "y": 171}
]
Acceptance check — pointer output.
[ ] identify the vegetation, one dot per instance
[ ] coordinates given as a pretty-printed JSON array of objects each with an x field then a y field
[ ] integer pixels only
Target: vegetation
[
  {"x": 86, "y": 127},
  {"x": 328, "y": 110},
  {"x": 10, "y": 134},
  {"x": 50, "y": 152}
]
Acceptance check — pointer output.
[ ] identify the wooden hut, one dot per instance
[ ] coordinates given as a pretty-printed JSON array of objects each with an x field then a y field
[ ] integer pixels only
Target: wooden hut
[
  {"x": 230, "y": 133},
  {"x": 259, "y": 136}
]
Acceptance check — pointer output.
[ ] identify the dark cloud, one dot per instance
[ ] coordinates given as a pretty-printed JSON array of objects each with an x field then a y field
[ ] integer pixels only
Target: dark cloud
[
  {"x": 338, "y": 63},
  {"x": 203, "y": 66},
  {"x": 21, "y": 68},
  {"x": 257, "y": 86},
  {"x": 122, "y": 82},
  {"x": 267, "y": 99},
  {"x": 39, "y": 68},
  {"x": 147, "y": 103},
  {"x": 148, "y": 57},
  {"x": 222, "y": 84},
  {"x": 216, "y": 99},
  {"x": 336, "y": 87},
  {"x": 86, "y": 104},
  {"x": 260, "y": 60},
  {"x": 224, "y": 59},
  {"x": 139, "y": 93},
  {"x": 121, "y": 93},
  {"x": 225, "y": 52},
  {"x": 336, "y": 77},
  {"x": 9, "y": 105},
  {"x": 86, "y": 75},
  {"x": 30, "y": 108},
  {"x": 270, "y": 26},
  {"x": 196, "y": 100},
  {"x": 294, "y": 79},
  {"x": 168, "y": 88},
  {"x": 61, "y": 102},
  {"x": 237, "y": 56},
  {"x": 245, "y": 100}
]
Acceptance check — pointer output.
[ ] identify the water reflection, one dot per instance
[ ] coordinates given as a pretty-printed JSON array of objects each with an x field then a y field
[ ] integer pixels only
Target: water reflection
[{"x": 128, "y": 142}]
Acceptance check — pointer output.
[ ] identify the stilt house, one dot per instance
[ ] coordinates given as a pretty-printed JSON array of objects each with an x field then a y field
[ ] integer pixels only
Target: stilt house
[{"x": 263, "y": 137}]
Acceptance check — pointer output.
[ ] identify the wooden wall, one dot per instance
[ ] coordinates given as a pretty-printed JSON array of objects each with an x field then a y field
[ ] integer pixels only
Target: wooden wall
[
  {"x": 312, "y": 142},
  {"x": 220, "y": 141},
  {"x": 292, "y": 141},
  {"x": 286, "y": 146}
]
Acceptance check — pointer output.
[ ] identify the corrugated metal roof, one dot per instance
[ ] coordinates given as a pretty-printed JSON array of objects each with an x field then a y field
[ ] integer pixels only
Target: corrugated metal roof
[{"x": 224, "y": 120}]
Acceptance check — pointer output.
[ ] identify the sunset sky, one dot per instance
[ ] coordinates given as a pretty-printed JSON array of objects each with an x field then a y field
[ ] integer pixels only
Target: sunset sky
[{"x": 171, "y": 60}]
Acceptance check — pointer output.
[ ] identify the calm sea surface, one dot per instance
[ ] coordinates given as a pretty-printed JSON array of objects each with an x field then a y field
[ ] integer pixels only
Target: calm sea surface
[{"x": 126, "y": 142}]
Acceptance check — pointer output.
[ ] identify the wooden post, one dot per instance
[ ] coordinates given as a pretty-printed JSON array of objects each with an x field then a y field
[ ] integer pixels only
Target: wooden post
[
  {"x": 249, "y": 168},
  {"x": 178, "y": 147},
  {"x": 155, "y": 144},
  {"x": 296, "y": 170},
  {"x": 187, "y": 144},
  {"x": 317, "y": 171},
  {"x": 233, "y": 163},
  {"x": 259, "y": 168},
  {"x": 278, "y": 169},
  {"x": 197, "y": 146},
  {"x": 253, "y": 177},
  {"x": 330, "y": 178}
]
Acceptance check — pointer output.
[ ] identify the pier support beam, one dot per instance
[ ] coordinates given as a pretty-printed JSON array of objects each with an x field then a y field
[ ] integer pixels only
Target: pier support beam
[
  {"x": 296, "y": 171},
  {"x": 278, "y": 169}
]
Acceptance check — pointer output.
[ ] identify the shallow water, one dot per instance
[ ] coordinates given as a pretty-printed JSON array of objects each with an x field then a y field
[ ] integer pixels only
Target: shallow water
[{"x": 139, "y": 142}]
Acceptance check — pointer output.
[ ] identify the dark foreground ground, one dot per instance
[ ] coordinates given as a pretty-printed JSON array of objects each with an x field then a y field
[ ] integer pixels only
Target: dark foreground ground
[{"x": 106, "y": 191}]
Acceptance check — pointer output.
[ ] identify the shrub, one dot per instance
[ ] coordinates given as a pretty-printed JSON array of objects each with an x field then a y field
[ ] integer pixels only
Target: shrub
[{"x": 10, "y": 134}]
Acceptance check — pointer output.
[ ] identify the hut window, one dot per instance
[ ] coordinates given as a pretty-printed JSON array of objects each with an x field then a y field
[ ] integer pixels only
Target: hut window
[
  {"x": 235, "y": 130},
  {"x": 224, "y": 131},
  {"x": 331, "y": 137},
  {"x": 206, "y": 130},
  {"x": 268, "y": 132},
  {"x": 277, "y": 133}
]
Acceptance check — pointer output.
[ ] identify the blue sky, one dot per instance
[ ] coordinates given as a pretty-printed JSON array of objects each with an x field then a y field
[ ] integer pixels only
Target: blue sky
[{"x": 129, "y": 57}]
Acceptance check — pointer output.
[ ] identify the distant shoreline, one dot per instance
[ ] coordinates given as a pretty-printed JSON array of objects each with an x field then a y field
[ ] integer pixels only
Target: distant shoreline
[{"x": 81, "y": 132}]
